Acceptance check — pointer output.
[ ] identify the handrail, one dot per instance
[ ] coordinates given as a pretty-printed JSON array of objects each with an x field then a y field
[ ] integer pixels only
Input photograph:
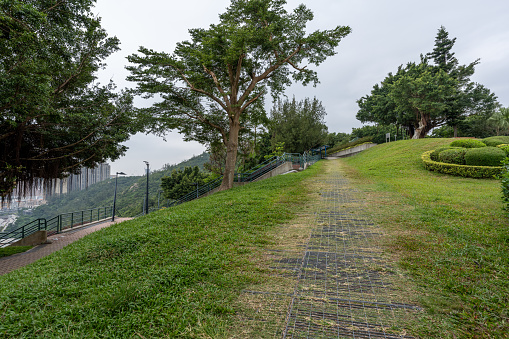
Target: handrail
[
  {"x": 256, "y": 172},
  {"x": 56, "y": 224}
]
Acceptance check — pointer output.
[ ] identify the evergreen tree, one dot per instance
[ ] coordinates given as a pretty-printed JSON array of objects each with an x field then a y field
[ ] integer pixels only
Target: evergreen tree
[
  {"x": 300, "y": 125},
  {"x": 181, "y": 182},
  {"x": 213, "y": 85}
]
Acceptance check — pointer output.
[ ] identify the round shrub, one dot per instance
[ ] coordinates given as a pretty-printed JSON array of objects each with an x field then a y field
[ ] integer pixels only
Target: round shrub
[
  {"x": 435, "y": 153},
  {"x": 468, "y": 143},
  {"x": 505, "y": 148},
  {"x": 495, "y": 141},
  {"x": 486, "y": 156},
  {"x": 453, "y": 156}
]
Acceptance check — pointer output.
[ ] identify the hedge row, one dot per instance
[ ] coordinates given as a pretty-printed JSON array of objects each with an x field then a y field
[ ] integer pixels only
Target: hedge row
[
  {"x": 460, "y": 170},
  {"x": 495, "y": 141}
]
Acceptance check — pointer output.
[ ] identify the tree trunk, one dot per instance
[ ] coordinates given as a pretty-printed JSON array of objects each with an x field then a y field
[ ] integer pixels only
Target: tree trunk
[
  {"x": 455, "y": 127},
  {"x": 424, "y": 127},
  {"x": 231, "y": 156}
]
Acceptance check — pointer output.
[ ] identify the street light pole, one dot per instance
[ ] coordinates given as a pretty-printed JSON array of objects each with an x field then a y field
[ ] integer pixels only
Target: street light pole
[
  {"x": 115, "y": 195},
  {"x": 146, "y": 196}
]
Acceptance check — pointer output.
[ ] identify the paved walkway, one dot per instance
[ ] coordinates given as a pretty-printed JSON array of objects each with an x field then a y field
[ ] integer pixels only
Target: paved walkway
[
  {"x": 338, "y": 284},
  {"x": 57, "y": 242}
]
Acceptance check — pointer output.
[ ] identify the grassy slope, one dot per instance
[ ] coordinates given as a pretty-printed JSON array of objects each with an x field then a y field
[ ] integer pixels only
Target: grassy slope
[
  {"x": 449, "y": 233},
  {"x": 173, "y": 273},
  {"x": 130, "y": 194}
]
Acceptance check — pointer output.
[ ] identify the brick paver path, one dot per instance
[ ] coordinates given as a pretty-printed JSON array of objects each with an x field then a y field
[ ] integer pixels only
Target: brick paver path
[
  {"x": 58, "y": 241},
  {"x": 338, "y": 284}
]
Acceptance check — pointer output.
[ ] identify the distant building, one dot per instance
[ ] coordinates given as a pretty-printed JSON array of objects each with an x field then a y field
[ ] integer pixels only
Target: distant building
[{"x": 78, "y": 182}]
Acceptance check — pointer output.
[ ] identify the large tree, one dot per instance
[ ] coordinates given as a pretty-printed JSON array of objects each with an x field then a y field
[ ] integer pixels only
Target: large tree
[
  {"x": 212, "y": 86},
  {"x": 299, "y": 125},
  {"x": 435, "y": 92},
  {"x": 54, "y": 118}
]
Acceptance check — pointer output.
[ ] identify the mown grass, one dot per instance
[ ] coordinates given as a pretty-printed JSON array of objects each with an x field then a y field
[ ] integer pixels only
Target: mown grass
[
  {"x": 7, "y": 251},
  {"x": 173, "y": 273},
  {"x": 449, "y": 233}
]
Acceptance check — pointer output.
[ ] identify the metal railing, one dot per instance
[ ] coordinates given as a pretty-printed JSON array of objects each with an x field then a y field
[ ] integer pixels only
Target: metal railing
[
  {"x": 303, "y": 160},
  {"x": 56, "y": 224}
]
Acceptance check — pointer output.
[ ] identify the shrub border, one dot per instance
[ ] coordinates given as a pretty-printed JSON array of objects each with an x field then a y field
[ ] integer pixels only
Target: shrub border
[{"x": 460, "y": 170}]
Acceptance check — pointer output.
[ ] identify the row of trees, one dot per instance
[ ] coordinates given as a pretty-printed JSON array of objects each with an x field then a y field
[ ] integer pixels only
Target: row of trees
[
  {"x": 426, "y": 95},
  {"x": 55, "y": 118}
]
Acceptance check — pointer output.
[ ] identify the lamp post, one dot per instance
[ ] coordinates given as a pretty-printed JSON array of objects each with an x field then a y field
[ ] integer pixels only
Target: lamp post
[
  {"x": 115, "y": 195},
  {"x": 146, "y": 195}
]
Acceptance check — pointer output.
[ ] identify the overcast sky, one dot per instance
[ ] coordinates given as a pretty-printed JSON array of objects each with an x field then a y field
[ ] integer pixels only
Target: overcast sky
[{"x": 385, "y": 34}]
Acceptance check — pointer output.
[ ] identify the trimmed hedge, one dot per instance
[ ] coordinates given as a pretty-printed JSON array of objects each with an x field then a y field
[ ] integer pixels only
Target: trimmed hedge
[
  {"x": 453, "y": 156},
  {"x": 486, "y": 156},
  {"x": 468, "y": 143},
  {"x": 504, "y": 176},
  {"x": 495, "y": 141},
  {"x": 505, "y": 148},
  {"x": 436, "y": 153},
  {"x": 460, "y": 170}
]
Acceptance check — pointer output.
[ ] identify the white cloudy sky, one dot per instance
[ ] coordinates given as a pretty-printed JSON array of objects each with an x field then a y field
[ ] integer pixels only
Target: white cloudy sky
[{"x": 385, "y": 34}]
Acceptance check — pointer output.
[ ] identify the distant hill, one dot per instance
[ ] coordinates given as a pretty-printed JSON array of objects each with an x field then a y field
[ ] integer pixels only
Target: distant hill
[{"x": 130, "y": 194}]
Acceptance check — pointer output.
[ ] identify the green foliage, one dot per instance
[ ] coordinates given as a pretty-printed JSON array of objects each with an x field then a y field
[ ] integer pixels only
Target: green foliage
[
  {"x": 500, "y": 120},
  {"x": 181, "y": 182},
  {"x": 7, "y": 251},
  {"x": 378, "y": 133},
  {"x": 130, "y": 194},
  {"x": 453, "y": 156},
  {"x": 467, "y": 171},
  {"x": 279, "y": 150},
  {"x": 460, "y": 233},
  {"x": 434, "y": 155},
  {"x": 468, "y": 143},
  {"x": 300, "y": 125},
  {"x": 176, "y": 273},
  {"x": 54, "y": 117},
  {"x": 424, "y": 96},
  {"x": 350, "y": 144},
  {"x": 505, "y": 148},
  {"x": 485, "y": 156},
  {"x": 495, "y": 141},
  {"x": 212, "y": 86},
  {"x": 334, "y": 139},
  {"x": 504, "y": 177}
]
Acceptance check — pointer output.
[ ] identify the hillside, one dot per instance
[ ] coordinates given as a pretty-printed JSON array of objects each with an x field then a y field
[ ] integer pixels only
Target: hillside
[
  {"x": 450, "y": 235},
  {"x": 173, "y": 273},
  {"x": 130, "y": 194}
]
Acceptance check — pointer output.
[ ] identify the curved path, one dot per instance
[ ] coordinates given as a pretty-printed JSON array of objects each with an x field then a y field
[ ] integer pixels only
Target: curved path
[{"x": 55, "y": 243}]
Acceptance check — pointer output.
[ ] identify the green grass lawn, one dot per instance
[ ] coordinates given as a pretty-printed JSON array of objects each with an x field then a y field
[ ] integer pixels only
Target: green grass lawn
[
  {"x": 7, "y": 251},
  {"x": 449, "y": 233},
  {"x": 173, "y": 273}
]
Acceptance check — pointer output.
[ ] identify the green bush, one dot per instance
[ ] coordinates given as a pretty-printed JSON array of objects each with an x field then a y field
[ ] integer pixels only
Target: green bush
[
  {"x": 504, "y": 176},
  {"x": 459, "y": 170},
  {"x": 486, "y": 156},
  {"x": 468, "y": 143},
  {"x": 453, "y": 156},
  {"x": 505, "y": 148},
  {"x": 435, "y": 153},
  {"x": 495, "y": 141}
]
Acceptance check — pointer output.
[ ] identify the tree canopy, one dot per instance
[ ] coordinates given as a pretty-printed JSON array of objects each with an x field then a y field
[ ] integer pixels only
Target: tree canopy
[
  {"x": 54, "y": 118},
  {"x": 435, "y": 92},
  {"x": 213, "y": 85},
  {"x": 300, "y": 125},
  {"x": 181, "y": 182}
]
